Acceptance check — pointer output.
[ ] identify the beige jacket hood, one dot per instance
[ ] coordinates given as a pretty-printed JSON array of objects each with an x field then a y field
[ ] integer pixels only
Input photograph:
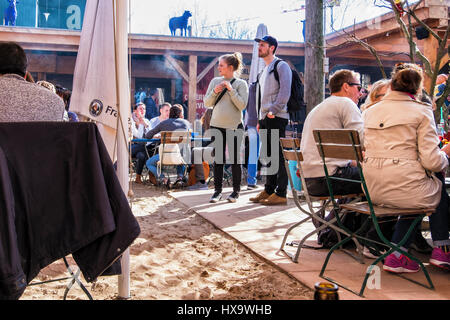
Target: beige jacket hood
[{"x": 402, "y": 151}]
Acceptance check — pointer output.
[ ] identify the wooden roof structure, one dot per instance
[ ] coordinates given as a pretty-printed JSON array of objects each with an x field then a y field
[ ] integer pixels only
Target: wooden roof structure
[{"x": 54, "y": 51}]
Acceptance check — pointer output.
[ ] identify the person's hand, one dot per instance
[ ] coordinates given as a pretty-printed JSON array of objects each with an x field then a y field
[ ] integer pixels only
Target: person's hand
[
  {"x": 219, "y": 88},
  {"x": 270, "y": 115},
  {"x": 227, "y": 85},
  {"x": 257, "y": 127},
  {"x": 141, "y": 121}
]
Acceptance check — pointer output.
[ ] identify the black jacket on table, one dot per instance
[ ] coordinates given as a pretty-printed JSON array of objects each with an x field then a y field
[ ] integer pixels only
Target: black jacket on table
[{"x": 59, "y": 195}]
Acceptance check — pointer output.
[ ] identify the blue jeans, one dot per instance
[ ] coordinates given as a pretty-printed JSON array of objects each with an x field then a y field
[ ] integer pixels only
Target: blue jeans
[
  {"x": 253, "y": 155},
  {"x": 438, "y": 222},
  {"x": 151, "y": 165}
]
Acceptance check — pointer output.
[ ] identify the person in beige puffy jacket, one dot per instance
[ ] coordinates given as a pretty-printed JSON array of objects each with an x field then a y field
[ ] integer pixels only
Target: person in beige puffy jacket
[{"x": 403, "y": 164}]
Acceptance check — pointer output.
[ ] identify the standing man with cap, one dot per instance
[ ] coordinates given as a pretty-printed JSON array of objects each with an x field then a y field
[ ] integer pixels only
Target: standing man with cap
[{"x": 272, "y": 98}]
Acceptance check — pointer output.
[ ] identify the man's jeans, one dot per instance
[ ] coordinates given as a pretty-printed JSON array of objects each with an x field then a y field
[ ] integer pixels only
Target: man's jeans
[
  {"x": 253, "y": 155},
  {"x": 151, "y": 165}
]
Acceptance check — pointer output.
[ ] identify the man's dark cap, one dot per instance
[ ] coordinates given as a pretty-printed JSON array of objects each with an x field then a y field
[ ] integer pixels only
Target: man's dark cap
[{"x": 269, "y": 39}]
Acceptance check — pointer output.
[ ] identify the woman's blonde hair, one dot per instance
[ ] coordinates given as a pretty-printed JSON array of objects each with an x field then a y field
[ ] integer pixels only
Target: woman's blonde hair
[
  {"x": 374, "y": 94},
  {"x": 235, "y": 60}
]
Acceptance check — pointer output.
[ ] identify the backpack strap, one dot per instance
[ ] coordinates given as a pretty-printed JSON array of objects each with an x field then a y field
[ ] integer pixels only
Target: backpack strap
[
  {"x": 223, "y": 92},
  {"x": 275, "y": 70}
]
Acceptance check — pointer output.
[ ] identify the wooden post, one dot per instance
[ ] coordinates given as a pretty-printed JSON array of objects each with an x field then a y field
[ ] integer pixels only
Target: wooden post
[
  {"x": 430, "y": 46},
  {"x": 192, "y": 88},
  {"x": 172, "y": 89},
  {"x": 133, "y": 89},
  {"x": 314, "y": 54}
]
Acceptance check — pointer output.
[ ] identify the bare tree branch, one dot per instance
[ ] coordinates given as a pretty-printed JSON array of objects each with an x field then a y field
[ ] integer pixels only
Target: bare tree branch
[
  {"x": 412, "y": 44},
  {"x": 369, "y": 48}
]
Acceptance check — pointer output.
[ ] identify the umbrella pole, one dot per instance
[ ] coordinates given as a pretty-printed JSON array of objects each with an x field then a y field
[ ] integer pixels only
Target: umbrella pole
[{"x": 121, "y": 43}]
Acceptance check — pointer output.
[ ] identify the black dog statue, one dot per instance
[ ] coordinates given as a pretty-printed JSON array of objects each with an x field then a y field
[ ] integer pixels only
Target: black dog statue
[{"x": 179, "y": 23}]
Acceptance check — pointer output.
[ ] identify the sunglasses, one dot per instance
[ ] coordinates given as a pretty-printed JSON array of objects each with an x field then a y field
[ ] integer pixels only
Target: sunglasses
[{"x": 355, "y": 84}]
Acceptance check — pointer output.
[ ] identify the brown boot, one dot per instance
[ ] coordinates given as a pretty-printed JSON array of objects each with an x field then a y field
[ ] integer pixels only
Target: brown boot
[
  {"x": 152, "y": 178},
  {"x": 138, "y": 179},
  {"x": 274, "y": 200},
  {"x": 261, "y": 196}
]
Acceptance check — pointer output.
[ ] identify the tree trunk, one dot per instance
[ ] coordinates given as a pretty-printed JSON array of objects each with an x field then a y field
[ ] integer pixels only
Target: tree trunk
[{"x": 314, "y": 54}]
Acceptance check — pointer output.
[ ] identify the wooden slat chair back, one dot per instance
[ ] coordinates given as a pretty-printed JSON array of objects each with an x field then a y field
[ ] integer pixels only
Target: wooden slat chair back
[
  {"x": 291, "y": 151},
  {"x": 170, "y": 150},
  {"x": 345, "y": 144}
]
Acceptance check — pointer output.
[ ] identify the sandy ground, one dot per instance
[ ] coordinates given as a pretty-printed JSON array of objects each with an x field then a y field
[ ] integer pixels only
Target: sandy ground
[{"x": 179, "y": 255}]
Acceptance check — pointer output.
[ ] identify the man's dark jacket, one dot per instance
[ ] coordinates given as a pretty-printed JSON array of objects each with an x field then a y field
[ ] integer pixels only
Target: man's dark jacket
[{"x": 59, "y": 195}]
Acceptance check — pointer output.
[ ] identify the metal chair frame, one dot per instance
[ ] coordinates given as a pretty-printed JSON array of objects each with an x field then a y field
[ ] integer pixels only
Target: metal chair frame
[
  {"x": 345, "y": 144},
  {"x": 73, "y": 279},
  {"x": 291, "y": 152}
]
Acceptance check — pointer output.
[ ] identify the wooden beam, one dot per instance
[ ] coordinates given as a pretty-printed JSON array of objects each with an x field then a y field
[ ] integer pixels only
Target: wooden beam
[
  {"x": 172, "y": 89},
  {"x": 177, "y": 67},
  {"x": 430, "y": 52},
  {"x": 192, "y": 88},
  {"x": 206, "y": 70}
]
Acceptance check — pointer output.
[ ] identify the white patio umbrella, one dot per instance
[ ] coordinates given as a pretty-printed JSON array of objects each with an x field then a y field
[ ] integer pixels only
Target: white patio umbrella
[
  {"x": 257, "y": 63},
  {"x": 101, "y": 88}
]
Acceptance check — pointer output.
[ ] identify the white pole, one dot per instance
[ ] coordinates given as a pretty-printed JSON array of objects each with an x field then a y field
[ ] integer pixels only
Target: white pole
[
  {"x": 123, "y": 90},
  {"x": 37, "y": 13}
]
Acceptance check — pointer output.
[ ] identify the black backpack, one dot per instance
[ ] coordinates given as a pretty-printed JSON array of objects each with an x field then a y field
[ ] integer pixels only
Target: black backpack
[{"x": 296, "y": 101}]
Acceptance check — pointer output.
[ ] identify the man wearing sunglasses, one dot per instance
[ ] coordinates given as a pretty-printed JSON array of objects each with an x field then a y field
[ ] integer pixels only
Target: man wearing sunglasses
[{"x": 339, "y": 111}]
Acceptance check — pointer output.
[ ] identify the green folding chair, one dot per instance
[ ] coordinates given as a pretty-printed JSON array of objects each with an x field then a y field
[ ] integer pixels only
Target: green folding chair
[
  {"x": 345, "y": 144},
  {"x": 316, "y": 205}
]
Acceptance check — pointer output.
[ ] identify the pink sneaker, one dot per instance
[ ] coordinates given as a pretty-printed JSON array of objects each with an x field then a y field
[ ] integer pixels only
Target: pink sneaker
[
  {"x": 440, "y": 259},
  {"x": 400, "y": 265}
]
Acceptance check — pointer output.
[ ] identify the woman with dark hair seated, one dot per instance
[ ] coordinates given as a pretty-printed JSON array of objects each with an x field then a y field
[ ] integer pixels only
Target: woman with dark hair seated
[{"x": 403, "y": 164}]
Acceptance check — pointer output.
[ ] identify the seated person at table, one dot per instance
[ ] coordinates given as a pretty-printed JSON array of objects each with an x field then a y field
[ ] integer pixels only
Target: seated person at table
[
  {"x": 403, "y": 164},
  {"x": 337, "y": 111},
  {"x": 20, "y": 99},
  {"x": 164, "y": 110},
  {"x": 174, "y": 123},
  {"x": 139, "y": 125}
]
